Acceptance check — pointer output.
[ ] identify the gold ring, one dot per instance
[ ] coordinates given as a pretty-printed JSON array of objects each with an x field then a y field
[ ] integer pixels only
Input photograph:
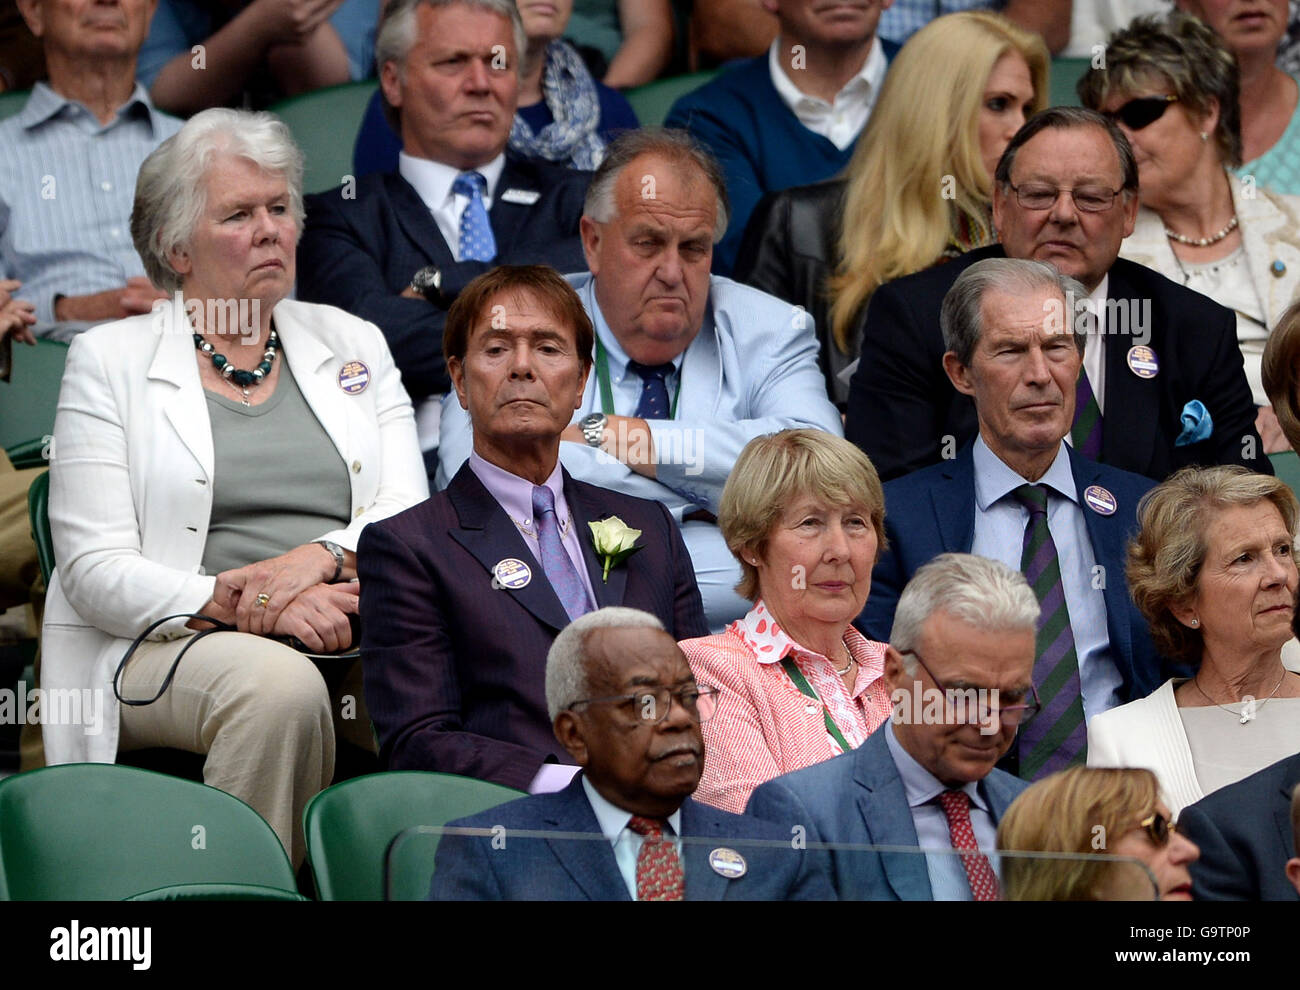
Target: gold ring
[{"x": 263, "y": 600}]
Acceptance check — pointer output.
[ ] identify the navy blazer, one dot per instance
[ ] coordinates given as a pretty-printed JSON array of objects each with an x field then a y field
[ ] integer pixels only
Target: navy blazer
[
  {"x": 932, "y": 511},
  {"x": 858, "y": 797},
  {"x": 569, "y": 869},
  {"x": 359, "y": 253},
  {"x": 1244, "y": 831},
  {"x": 902, "y": 405},
  {"x": 455, "y": 668}
]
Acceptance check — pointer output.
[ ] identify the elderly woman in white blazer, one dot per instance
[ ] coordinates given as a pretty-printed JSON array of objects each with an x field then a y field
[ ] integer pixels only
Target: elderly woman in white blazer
[
  {"x": 220, "y": 455},
  {"x": 1172, "y": 87},
  {"x": 1212, "y": 569}
]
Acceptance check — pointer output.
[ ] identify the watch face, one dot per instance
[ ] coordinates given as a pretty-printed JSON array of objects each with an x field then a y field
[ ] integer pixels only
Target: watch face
[
  {"x": 426, "y": 278},
  {"x": 592, "y": 420}
]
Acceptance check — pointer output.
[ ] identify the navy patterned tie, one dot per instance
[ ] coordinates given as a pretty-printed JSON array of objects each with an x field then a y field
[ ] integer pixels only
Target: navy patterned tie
[
  {"x": 1057, "y": 737},
  {"x": 654, "y": 390},
  {"x": 476, "y": 240},
  {"x": 564, "y": 577}
]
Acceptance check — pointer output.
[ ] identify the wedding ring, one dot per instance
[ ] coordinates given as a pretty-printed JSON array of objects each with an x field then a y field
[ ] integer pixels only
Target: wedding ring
[{"x": 263, "y": 600}]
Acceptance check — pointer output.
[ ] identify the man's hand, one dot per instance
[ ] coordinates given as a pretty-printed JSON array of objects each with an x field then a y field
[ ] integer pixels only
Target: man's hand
[
  {"x": 319, "y": 616},
  {"x": 137, "y": 296},
  {"x": 1270, "y": 431},
  {"x": 279, "y": 580},
  {"x": 16, "y": 315},
  {"x": 626, "y": 438},
  {"x": 289, "y": 20}
]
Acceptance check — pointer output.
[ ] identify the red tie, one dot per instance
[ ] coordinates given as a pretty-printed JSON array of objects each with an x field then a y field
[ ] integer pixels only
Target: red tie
[
  {"x": 983, "y": 881},
  {"x": 659, "y": 874}
]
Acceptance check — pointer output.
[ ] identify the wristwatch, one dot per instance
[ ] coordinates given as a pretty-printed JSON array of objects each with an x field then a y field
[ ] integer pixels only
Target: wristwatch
[
  {"x": 593, "y": 428},
  {"x": 428, "y": 283},
  {"x": 337, "y": 551}
]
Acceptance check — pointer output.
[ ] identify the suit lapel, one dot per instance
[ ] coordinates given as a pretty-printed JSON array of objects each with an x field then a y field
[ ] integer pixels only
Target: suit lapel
[
  {"x": 589, "y": 860},
  {"x": 1128, "y": 398},
  {"x": 186, "y": 408},
  {"x": 417, "y": 222},
  {"x": 306, "y": 356},
  {"x": 584, "y": 510},
  {"x": 508, "y": 218},
  {"x": 887, "y": 819},
  {"x": 703, "y": 883},
  {"x": 487, "y": 533},
  {"x": 954, "y": 503}
]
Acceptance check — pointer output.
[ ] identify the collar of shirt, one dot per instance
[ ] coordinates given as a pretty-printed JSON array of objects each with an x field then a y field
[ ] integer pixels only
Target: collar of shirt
[
  {"x": 864, "y": 86},
  {"x": 625, "y": 843},
  {"x": 515, "y": 494},
  {"x": 433, "y": 180},
  {"x": 921, "y": 786},
  {"x": 994, "y": 480},
  {"x": 45, "y": 104},
  {"x": 770, "y": 644},
  {"x": 618, "y": 358}
]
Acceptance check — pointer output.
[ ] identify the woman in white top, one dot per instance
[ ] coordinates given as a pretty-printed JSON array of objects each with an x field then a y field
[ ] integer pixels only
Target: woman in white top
[
  {"x": 1172, "y": 87},
  {"x": 1213, "y": 572}
]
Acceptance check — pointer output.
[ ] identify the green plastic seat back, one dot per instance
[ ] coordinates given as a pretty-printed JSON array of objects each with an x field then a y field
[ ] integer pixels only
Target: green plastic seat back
[
  {"x": 1286, "y": 466},
  {"x": 98, "y": 831},
  {"x": 325, "y": 123},
  {"x": 218, "y": 892},
  {"x": 38, "y": 511},
  {"x": 652, "y": 101},
  {"x": 1063, "y": 75},
  {"x": 11, "y": 103},
  {"x": 349, "y": 826},
  {"x": 29, "y": 398}
]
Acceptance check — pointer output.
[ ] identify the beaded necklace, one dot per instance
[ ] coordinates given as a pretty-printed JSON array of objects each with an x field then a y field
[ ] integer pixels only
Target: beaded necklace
[{"x": 237, "y": 378}]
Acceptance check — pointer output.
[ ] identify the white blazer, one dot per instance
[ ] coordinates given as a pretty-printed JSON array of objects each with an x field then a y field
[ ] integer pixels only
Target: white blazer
[{"x": 131, "y": 483}]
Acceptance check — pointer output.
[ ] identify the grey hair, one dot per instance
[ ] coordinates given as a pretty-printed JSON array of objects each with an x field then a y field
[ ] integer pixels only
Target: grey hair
[
  {"x": 567, "y": 679},
  {"x": 678, "y": 146},
  {"x": 980, "y": 592},
  {"x": 1064, "y": 119},
  {"x": 961, "y": 316},
  {"x": 396, "y": 36},
  {"x": 169, "y": 190}
]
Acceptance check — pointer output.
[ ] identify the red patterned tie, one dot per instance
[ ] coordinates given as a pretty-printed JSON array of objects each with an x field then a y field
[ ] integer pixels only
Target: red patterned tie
[
  {"x": 659, "y": 874},
  {"x": 983, "y": 881}
]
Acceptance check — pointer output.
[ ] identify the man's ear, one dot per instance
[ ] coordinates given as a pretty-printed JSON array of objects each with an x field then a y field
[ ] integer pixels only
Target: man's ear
[
  {"x": 958, "y": 374},
  {"x": 568, "y": 730},
  {"x": 1293, "y": 872},
  {"x": 34, "y": 15},
  {"x": 456, "y": 372},
  {"x": 591, "y": 235},
  {"x": 390, "y": 81},
  {"x": 894, "y": 672}
]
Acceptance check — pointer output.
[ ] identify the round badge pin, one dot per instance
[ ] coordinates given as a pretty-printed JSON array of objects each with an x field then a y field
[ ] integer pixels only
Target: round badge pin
[
  {"x": 354, "y": 376},
  {"x": 511, "y": 573},
  {"x": 1142, "y": 361},
  {"x": 728, "y": 863},
  {"x": 1100, "y": 500}
]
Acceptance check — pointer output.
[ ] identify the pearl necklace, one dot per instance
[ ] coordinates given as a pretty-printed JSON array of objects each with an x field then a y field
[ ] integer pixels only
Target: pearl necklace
[{"x": 1204, "y": 241}]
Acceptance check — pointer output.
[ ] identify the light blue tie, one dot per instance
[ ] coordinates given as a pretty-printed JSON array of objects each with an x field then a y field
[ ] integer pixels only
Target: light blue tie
[
  {"x": 556, "y": 563},
  {"x": 476, "y": 240}
]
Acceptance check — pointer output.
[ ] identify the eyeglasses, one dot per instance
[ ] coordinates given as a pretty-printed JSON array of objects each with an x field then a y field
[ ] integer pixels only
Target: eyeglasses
[
  {"x": 1158, "y": 828},
  {"x": 1041, "y": 196},
  {"x": 980, "y": 702},
  {"x": 1145, "y": 110},
  {"x": 652, "y": 705}
]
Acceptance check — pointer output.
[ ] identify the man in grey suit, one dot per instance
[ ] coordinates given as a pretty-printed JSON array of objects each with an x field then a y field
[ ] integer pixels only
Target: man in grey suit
[{"x": 959, "y": 662}]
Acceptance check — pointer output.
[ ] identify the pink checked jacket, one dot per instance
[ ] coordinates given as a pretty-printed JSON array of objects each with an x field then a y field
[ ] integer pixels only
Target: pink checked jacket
[{"x": 764, "y": 726}]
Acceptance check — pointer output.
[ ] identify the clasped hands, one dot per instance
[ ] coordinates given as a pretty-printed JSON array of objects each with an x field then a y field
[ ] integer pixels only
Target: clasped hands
[{"x": 288, "y": 596}]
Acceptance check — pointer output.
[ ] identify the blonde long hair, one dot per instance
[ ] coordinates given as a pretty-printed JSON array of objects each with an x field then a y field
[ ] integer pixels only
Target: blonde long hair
[{"x": 898, "y": 214}]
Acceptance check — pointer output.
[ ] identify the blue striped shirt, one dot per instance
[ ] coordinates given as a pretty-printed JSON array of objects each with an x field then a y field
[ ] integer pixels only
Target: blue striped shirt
[
  {"x": 906, "y": 17},
  {"x": 67, "y": 184}
]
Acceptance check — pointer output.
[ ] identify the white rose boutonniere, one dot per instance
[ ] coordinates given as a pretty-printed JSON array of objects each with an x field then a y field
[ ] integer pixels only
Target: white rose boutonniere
[{"x": 614, "y": 540}]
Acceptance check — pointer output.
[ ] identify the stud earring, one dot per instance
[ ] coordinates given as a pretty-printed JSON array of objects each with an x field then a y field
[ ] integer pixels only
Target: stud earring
[
  {"x": 1204, "y": 137},
  {"x": 1195, "y": 623}
]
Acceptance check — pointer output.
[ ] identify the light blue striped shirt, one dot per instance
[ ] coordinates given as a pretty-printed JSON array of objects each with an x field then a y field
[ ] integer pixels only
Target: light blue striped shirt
[
  {"x": 906, "y": 17},
  {"x": 67, "y": 184}
]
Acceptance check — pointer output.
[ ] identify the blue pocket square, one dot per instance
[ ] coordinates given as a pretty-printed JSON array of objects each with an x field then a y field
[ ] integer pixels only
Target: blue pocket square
[{"x": 1197, "y": 424}]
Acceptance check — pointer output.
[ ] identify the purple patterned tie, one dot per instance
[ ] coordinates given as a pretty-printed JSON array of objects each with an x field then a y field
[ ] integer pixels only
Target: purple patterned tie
[
  {"x": 1085, "y": 434},
  {"x": 559, "y": 568},
  {"x": 1057, "y": 737}
]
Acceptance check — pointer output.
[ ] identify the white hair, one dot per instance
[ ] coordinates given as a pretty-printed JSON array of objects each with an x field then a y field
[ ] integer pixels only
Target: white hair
[
  {"x": 980, "y": 592},
  {"x": 567, "y": 678},
  {"x": 170, "y": 194}
]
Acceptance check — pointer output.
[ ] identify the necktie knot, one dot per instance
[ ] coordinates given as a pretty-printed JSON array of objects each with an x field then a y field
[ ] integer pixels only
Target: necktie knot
[
  {"x": 543, "y": 500},
  {"x": 956, "y": 804},
  {"x": 654, "y": 402},
  {"x": 470, "y": 184},
  {"x": 1033, "y": 498},
  {"x": 651, "y": 828},
  {"x": 646, "y": 372}
]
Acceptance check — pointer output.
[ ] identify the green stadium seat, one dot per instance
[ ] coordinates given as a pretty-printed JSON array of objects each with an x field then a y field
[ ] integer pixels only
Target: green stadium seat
[
  {"x": 1286, "y": 466},
  {"x": 98, "y": 831},
  {"x": 38, "y": 511},
  {"x": 11, "y": 103},
  {"x": 351, "y": 826},
  {"x": 1065, "y": 73},
  {"x": 652, "y": 101},
  {"x": 28, "y": 400},
  {"x": 325, "y": 123}
]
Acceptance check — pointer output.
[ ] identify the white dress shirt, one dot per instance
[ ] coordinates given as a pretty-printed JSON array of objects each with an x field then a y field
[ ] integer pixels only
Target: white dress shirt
[
  {"x": 627, "y": 844},
  {"x": 841, "y": 120}
]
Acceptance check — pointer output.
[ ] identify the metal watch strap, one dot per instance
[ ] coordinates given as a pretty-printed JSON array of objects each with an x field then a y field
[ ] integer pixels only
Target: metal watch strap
[{"x": 336, "y": 552}]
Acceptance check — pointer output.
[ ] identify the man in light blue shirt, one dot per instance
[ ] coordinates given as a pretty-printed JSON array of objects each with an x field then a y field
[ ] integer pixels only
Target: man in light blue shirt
[
  {"x": 687, "y": 368},
  {"x": 68, "y": 164}
]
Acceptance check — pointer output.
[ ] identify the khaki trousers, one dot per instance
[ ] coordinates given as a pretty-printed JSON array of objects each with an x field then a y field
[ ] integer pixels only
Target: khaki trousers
[{"x": 257, "y": 708}]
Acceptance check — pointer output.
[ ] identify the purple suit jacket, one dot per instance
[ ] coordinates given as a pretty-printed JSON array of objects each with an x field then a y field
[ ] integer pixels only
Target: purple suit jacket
[{"x": 455, "y": 668}]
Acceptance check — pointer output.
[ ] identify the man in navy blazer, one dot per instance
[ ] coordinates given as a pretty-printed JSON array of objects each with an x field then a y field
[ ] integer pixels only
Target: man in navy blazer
[
  {"x": 959, "y": 667},
  {"x": 463, "y": 594},
  {"x": 396, "y": 249},
  {"x": 1247, "y": 838},
  {"x": 1021, "y": 371},
  {"x": 625, "y": 705}
]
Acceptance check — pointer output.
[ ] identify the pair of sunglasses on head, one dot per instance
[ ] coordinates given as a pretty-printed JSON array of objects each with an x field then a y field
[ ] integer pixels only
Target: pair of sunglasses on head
[{"x": 1145, "y": 110}]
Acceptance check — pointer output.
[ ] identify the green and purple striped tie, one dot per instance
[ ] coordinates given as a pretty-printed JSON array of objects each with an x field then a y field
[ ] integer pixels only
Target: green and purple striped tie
[
  {"x": 1058, "y": 736},
  {"x": 1085, "y": 434}
]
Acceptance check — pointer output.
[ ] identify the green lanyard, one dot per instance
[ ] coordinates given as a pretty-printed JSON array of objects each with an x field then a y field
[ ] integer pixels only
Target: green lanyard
[
  {"x": 607, "y": 393},
  {"x": 801, "y": 682}
]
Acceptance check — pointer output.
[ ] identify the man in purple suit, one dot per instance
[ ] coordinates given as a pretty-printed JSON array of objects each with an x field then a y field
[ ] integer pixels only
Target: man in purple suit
[{"x": 463, "y": 594}]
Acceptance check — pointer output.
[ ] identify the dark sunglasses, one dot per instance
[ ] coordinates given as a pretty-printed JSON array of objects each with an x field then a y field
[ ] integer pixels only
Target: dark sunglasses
[
  {"x": 1137, "y": 114},
  {"x": 1158, "y": 828}
]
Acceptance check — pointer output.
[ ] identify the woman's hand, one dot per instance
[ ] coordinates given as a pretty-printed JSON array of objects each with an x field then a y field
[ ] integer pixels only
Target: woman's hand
[
  {"x": 319, "y": 617},
  {"x": 277, "y": 582}
]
